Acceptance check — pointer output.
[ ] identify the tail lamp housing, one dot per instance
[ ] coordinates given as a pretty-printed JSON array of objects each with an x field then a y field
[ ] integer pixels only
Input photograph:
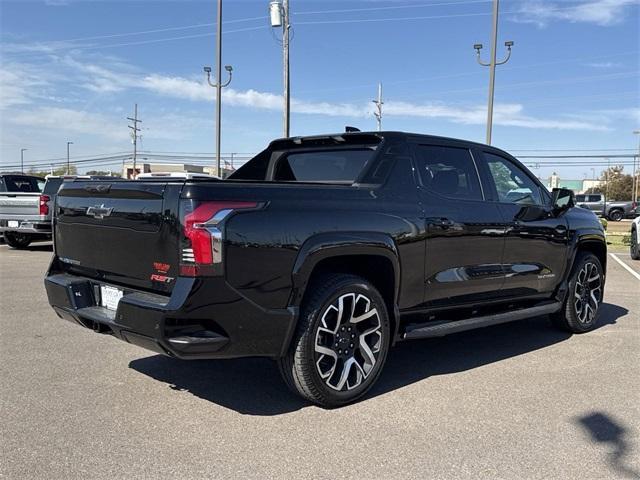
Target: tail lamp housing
[
  {"x": 44, "y": 204},
  {"x": 202, "y": 241}
]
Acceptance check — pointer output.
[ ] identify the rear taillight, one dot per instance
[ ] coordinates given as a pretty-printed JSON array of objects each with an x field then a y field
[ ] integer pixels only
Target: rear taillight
[
  {"x": 203, "y": 235},
  {"x": 44, "y": 204}
]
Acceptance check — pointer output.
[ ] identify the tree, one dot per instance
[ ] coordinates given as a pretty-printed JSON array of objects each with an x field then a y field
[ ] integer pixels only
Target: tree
[
  {"x": 73, "y": 170},
  {"x": 103, "y": 173},
  {"x": 619, "y": 184}
]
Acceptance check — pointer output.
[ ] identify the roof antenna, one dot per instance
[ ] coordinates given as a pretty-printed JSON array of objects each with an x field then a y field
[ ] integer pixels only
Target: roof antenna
[{"x": 349, "y": 129}]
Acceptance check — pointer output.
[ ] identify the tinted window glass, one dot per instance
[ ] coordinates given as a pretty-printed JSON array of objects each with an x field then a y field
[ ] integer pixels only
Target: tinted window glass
[
  {"x": 448, "y": 171},
  {"x": 341, "y": 166},
  {"x": 580, "y": 198},
  {"x": 512, "y": 183},
  {"x": 52, "y": 186},
  {"x": 595, "y": 198},
  {"x": 19, "y": 183}
]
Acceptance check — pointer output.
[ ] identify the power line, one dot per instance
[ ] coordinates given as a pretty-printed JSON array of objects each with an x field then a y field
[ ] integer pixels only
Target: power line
[
  {"x": 263, "y": 17},
  {"x": 392, "y": 7},
  {"x": 159, "y": 30}
]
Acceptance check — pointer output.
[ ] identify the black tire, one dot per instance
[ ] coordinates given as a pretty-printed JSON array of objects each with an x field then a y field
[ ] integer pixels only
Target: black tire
[
  {"x": 17, "y": 240},
  {"x": 579, "y": 314},
  {"x": 616, "y": 215},
  {"x": 634, "y": 250},
  {"x": 317, "y": 376}
]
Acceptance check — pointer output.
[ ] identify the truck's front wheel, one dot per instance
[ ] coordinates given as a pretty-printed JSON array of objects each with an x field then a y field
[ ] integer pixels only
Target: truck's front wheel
[
  {"x": 17, "y": 240},
  {"x": 341, "y": 342},
  {"x": 584, "y": 296}
]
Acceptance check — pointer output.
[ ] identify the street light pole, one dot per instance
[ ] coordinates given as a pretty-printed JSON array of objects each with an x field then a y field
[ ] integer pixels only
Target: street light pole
[
  {"x": 285, "y": 54},
  {"x": 218, "y": 85},
  {"x": 279, "y": 16},
  {"x": 492, "y": 65},
  {"x": 68, "y": 163},
  {"x": 22, "y": 150}
]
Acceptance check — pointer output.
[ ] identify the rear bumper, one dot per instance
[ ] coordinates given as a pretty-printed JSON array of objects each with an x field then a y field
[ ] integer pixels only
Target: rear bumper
[
  {"x": 203, "y": 318},
  {"x": 26, "y": 226}
]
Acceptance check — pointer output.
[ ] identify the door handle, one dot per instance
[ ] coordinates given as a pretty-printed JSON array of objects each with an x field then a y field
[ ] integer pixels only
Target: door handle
[
  {"x": 443, "y": 223},
  {"x": 561, "y": 230}
]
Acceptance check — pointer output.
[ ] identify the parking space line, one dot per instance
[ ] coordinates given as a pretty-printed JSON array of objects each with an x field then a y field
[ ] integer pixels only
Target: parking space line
[{"x": 625, "y": 266}]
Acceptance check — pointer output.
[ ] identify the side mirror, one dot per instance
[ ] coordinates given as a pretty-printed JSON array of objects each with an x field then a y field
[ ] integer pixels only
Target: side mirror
[{"x": 562, "y": 199}]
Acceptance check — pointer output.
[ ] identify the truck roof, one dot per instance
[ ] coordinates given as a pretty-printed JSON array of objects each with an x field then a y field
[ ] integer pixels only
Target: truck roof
[{"x": 366, "y": 137}]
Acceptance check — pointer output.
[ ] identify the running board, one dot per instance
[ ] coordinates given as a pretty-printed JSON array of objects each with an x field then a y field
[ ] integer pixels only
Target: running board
[{"x": 442, "y": 329}]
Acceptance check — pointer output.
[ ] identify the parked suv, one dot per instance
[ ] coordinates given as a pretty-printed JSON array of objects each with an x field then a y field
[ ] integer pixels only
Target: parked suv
[{"x": 323, "y": 252}]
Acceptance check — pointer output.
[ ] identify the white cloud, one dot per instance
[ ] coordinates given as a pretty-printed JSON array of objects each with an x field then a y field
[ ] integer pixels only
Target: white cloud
[
  {"x": 599, "y": 12},
  {"x": 70, "y": 121},
  {"x": 504, "y": 114},
  {"x": 603, "y": 65},
  {"x": 22, "y": 86}
]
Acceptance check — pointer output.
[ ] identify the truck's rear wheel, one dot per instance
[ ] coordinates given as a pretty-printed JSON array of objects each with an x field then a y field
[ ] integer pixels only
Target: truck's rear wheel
[
  {"x": 341, "y": 342},
  {"x": 616, "y": 215},
  {"x": 586, "y": 284},
  {"x": 17, "y": 240}
]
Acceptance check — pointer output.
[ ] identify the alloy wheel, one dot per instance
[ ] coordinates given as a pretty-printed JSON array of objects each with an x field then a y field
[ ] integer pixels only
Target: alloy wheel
[
  {"x": 588, "y": 292},
  {"x": 348, "y": 341}
]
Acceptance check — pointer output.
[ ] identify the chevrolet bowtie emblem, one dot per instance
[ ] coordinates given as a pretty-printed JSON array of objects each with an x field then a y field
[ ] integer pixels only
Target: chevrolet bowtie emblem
[{"x": 99, "y": 212}]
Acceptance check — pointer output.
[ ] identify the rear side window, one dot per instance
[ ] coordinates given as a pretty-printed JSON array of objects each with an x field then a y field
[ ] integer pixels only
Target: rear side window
[
  {"x": 448, "y": 171},
  {"x": 19, "y": 183},
  {"x": 581, "y": 198},
  {"x": 332, "y": 166},
  {"x": 594, "y": 198},
  {"x": 52, "y": 186}
]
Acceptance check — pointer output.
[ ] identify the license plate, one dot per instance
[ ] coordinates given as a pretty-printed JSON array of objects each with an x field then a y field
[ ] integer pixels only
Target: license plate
[
  {"x": 110, "y": 296},
  {"x": 13, "y": 224}
]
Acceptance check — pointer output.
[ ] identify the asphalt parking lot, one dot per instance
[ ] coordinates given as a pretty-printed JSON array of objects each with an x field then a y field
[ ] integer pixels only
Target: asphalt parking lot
[{"x": 514, "y": 401}]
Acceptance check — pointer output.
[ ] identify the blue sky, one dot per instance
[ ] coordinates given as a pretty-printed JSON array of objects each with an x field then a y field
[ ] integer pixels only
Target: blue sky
[{"x": 72, "y": 70}]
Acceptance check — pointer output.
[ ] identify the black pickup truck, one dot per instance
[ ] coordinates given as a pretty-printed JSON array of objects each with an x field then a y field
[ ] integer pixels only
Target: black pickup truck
[{"x": 322, "y": 252}]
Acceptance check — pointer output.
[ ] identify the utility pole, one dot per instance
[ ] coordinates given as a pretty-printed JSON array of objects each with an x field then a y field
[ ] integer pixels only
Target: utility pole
[
  {"x": 134, "y": 135},
  {"x": 218, "y": 86},
  {"x": 378, "y": 112},
  {"x": 492, "y": 65},
  {"x": 22, "y": 150},
  {"x": 279, "y": 15},
  {"x": 606, "y": 187},
  {"x": 68, "y": 162},
  {"x": 636, "y": 171}
]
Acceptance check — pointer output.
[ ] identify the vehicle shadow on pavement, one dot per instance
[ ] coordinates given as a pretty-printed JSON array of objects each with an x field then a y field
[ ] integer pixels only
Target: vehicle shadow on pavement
[
  {"x": 38, "y": 247},
  {"x": 253, "y": 386},
  {"x": 603, "y": 429}
]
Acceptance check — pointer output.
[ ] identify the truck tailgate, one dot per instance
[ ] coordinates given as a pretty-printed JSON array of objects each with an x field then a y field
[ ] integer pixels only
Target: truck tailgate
[
  {"x": 19, "y": 206},
  {"x": 124, "y": 233}
]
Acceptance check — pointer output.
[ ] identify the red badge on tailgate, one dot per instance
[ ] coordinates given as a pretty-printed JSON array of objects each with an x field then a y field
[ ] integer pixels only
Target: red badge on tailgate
[{"x": 161, "y": 267}]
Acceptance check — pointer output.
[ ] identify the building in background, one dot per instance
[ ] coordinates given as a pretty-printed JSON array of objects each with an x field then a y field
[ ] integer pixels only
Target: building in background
[
  {"x": 578, "y": 186},
  {"x": 149, "y": 167}
]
